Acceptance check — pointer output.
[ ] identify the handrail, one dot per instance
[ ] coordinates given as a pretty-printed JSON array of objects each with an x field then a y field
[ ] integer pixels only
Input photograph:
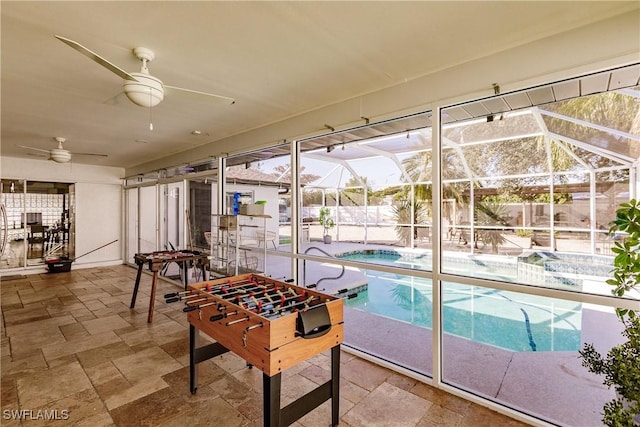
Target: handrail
[{"x": 304, "y": 267}]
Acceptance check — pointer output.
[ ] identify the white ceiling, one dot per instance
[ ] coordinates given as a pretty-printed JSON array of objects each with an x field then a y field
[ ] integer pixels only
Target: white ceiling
[{"x": 277, "y": 59}]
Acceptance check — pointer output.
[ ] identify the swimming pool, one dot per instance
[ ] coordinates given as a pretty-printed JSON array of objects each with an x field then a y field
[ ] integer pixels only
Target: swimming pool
[{"x": 509, "y": 320}]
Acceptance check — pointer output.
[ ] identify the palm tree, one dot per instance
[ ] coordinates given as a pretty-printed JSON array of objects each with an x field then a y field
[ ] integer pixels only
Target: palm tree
[
  {"x": 493, "y": 214},
  {"x": 419, "y": 168},
  {"x": 402, "y": 216}
]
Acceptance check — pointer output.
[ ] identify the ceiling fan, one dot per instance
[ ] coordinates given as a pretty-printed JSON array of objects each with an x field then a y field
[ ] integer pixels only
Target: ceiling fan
[
  {"x": 142, "y": 88},
  {"x": 60, "y": 155}
]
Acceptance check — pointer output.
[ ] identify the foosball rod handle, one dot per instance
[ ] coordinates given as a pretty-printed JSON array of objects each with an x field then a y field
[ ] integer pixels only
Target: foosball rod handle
[{"x": 175, "y": 294}]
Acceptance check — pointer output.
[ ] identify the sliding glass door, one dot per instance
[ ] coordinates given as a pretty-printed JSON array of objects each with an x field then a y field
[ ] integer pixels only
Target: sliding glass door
[{"x": 37, "y": 222}]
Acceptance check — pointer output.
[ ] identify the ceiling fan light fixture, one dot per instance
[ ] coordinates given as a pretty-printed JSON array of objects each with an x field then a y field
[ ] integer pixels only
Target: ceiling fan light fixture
[
  {"x": 146, "y": 91},
  {"x": 60, "y": 155}
]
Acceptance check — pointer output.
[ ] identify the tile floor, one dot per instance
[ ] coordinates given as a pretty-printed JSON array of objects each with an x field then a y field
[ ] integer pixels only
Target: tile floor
[{"x": 72, "y": 349}]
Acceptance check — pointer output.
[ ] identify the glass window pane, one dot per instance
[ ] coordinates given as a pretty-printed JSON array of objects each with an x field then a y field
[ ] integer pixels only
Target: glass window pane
[
  {"x": 132, "y": 224},
  {"x": 524, "y": 205},
  {"x": 582, "y": 120},
  {"x": 148, "y": 209},
  {"x": 13, "y": 199},
  {"x": 391, "y": 318},
  {"x": 259, "y": 182},
  {"x": 522, "y": 351},
  {"x": 377, "y": 189}
]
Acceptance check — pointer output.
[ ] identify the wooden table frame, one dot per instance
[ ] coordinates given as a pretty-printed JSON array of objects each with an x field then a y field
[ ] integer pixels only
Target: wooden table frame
[
  {"x": 156, "y": 264},
  {"x": 273, "y": 414}
]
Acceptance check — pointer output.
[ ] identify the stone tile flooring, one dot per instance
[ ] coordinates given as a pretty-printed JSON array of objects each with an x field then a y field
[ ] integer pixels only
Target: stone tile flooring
[{"x": 72, "y": 349}]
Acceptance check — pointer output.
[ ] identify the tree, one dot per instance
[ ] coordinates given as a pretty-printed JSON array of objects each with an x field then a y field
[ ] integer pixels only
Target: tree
[
  {"x": 283, "y": 172},
  {"x": 419, "y": 167},
  {"x": 355, "y": 196},
  {"x": 402, "y": 216},
  {"x": 490, "y": 213},
  {"x": 621, "y": 365}
]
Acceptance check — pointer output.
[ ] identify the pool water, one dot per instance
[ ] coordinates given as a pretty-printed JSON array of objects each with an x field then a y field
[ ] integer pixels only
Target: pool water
[{"x": 509, "y": 320}]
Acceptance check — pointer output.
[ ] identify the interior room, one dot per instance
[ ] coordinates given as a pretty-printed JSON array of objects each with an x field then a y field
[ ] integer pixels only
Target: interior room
[{"x": 427, "y": 189}]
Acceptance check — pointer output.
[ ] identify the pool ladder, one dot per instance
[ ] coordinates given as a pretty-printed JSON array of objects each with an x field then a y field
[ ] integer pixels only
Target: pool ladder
[{"x": 304, "y": 267}]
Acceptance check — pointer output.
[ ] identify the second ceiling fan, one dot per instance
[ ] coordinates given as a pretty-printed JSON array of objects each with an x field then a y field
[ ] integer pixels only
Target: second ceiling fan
[
  {"x": 59, "y": 154},
  {"x": 142, "y": 88}
]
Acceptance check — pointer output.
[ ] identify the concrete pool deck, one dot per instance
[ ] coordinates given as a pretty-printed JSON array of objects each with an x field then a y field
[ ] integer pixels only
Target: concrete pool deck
[{"x": 550, "y": 385}]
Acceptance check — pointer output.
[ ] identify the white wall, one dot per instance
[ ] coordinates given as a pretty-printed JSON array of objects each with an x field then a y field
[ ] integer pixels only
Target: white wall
[
  {"x": 98, "y": 202},
  {"x": 98, "y": 222}
]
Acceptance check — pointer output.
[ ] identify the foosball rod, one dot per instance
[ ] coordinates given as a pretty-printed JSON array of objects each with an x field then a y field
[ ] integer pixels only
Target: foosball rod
[
  {"x": 277, "y": 311},
  {"x": 179, "y": 296},
  {"x": 182, "y": 293},
  {"x": 233, "y": 322},
  {"x": 260, "y": 311},
  {"x": 208, "y": 287},
  {"x": 198, "y": 307},
  {"x": 302, "y": 295},
  {"x": 220, "y": 306},
  {"x": 282, "y": 300},
  {"x": 309, "y": 300},
  {"x": 222, "y": 292},
  {"x": 189, "y": 301},
  {"x": 221, "y": 316},
  {"x": 278, "y": 293},
  {"x": 246, "y": 300},
  {"x": 206, "y": 298},
  {"x": 245, "y": 290},
  {"x": 266, "y": 295}
]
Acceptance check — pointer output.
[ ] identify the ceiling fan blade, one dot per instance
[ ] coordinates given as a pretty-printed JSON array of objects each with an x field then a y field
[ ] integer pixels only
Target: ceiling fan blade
[
  {"x": 89, "y": 154},
  {"x": 33, "y": 148},
  {"x": 97, "y": 58},
  {"x": 194, "y": 94},
  {"x": 37, "y": 155}
]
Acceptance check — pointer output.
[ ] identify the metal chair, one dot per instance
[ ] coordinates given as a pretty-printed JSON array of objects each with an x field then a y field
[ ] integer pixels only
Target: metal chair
[
  {"x": 38, "y": 234},
  {"x": 266, "y": 236}
]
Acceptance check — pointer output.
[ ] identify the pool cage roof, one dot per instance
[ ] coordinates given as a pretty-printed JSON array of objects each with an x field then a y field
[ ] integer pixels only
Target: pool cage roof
[{"x": 594, "y": 120}]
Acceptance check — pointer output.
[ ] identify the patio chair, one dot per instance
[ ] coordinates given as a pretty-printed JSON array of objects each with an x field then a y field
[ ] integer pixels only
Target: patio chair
[
  {"x": 424, "y": 234},
  {"x": 38, "y": 234},
  {"x": 266, "y": 236}
]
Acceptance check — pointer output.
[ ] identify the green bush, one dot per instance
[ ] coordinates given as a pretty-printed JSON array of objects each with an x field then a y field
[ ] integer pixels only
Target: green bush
[{"x": 621, "y": 365}]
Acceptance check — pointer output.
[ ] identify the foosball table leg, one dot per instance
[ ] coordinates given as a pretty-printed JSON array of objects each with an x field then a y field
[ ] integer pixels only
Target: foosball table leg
[
  {"x": 152, "y": 297},
  {"x": 335, "y": 385},
  {"x": 271, "y": 399},
  {"x": 193, "y": 365},
  {"x": 135, "y": 287},
  {"x": 200, "y": 354},
  {"x": 275, "y": 416}
]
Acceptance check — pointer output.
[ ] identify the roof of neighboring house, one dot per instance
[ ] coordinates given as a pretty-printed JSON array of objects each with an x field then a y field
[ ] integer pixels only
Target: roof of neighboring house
[{"x": 241, "y": 175}]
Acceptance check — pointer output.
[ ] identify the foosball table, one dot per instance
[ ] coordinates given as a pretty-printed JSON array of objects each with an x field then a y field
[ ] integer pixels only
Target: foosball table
[
  {"x": 156, "y": 261},
  {"x": 273, "y": 325}
]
